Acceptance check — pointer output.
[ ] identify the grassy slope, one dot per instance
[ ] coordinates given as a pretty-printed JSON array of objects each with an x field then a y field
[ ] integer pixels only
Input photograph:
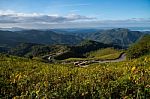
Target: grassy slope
[
  {"x": 107, "y": 53},
  {"x": 140, "y": 48},
  {"x": 102, "y": 54},
  {"x": 29, "y": 78}
]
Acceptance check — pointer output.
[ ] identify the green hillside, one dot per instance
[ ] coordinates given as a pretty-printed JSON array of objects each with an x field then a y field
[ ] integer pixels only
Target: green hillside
[
  {"x": 107, "y": 53},
  {"x": 140, "y": 48},
  {"x": 58, "y": 52},
  {"x": 25, "y": 78},
  {"x": 118, "y": 36},
  {"x": 37, "y": 50},
  {"x": 100, "y": 54},
  {"x": 85, "y": 47},
  {"x": 11, "y": 38},
  {"x": 34, "y": 76}
]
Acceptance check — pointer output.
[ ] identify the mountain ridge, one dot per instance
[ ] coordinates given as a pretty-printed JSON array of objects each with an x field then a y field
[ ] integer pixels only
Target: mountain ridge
[
  {"x": 118, "y": 36},
  {"x": 12, "y": 38}
]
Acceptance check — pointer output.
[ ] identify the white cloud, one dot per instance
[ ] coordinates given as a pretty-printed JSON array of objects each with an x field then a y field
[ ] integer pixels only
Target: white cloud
[
  {"x": 14, "y": 17},
  {"x": 10, "y": 18}
]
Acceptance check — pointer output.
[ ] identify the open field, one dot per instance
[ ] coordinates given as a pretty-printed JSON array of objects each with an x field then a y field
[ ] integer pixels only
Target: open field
[{"x": 25, "y": 78}]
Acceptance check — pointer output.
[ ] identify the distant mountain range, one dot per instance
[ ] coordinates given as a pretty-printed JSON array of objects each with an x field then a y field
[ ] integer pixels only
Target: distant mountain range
[
  {"x": 12, "y": 38},
  {"x": 62, "y": 44},
  {"x": 118, "y": 36}
]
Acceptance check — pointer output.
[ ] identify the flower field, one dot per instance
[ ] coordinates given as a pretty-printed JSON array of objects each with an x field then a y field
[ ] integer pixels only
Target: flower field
[{"x": 25, "y": 78}]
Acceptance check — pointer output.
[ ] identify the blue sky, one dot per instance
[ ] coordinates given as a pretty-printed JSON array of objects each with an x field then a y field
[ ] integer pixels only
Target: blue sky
[{"x": 55, "y": 13}]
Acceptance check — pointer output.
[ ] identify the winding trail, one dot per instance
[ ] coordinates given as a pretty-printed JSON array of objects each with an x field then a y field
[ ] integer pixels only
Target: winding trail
[
  {"x": 85, "y": 63},
  {"x": 122, "y": 57}
]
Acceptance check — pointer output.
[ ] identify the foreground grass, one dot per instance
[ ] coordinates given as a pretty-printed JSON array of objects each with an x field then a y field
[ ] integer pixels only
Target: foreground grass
[{"x": 24, "y": 78}]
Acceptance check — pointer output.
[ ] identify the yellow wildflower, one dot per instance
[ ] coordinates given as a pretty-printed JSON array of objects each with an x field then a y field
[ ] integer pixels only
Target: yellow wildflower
[{"x": 133, "y": 68}]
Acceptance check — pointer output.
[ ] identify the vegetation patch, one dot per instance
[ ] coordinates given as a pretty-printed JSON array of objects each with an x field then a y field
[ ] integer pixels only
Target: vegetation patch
[
  {"x": 140, "y": 48},
  {"x": 107, "y": 53},
  {"x": 25, "y": 78}
]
